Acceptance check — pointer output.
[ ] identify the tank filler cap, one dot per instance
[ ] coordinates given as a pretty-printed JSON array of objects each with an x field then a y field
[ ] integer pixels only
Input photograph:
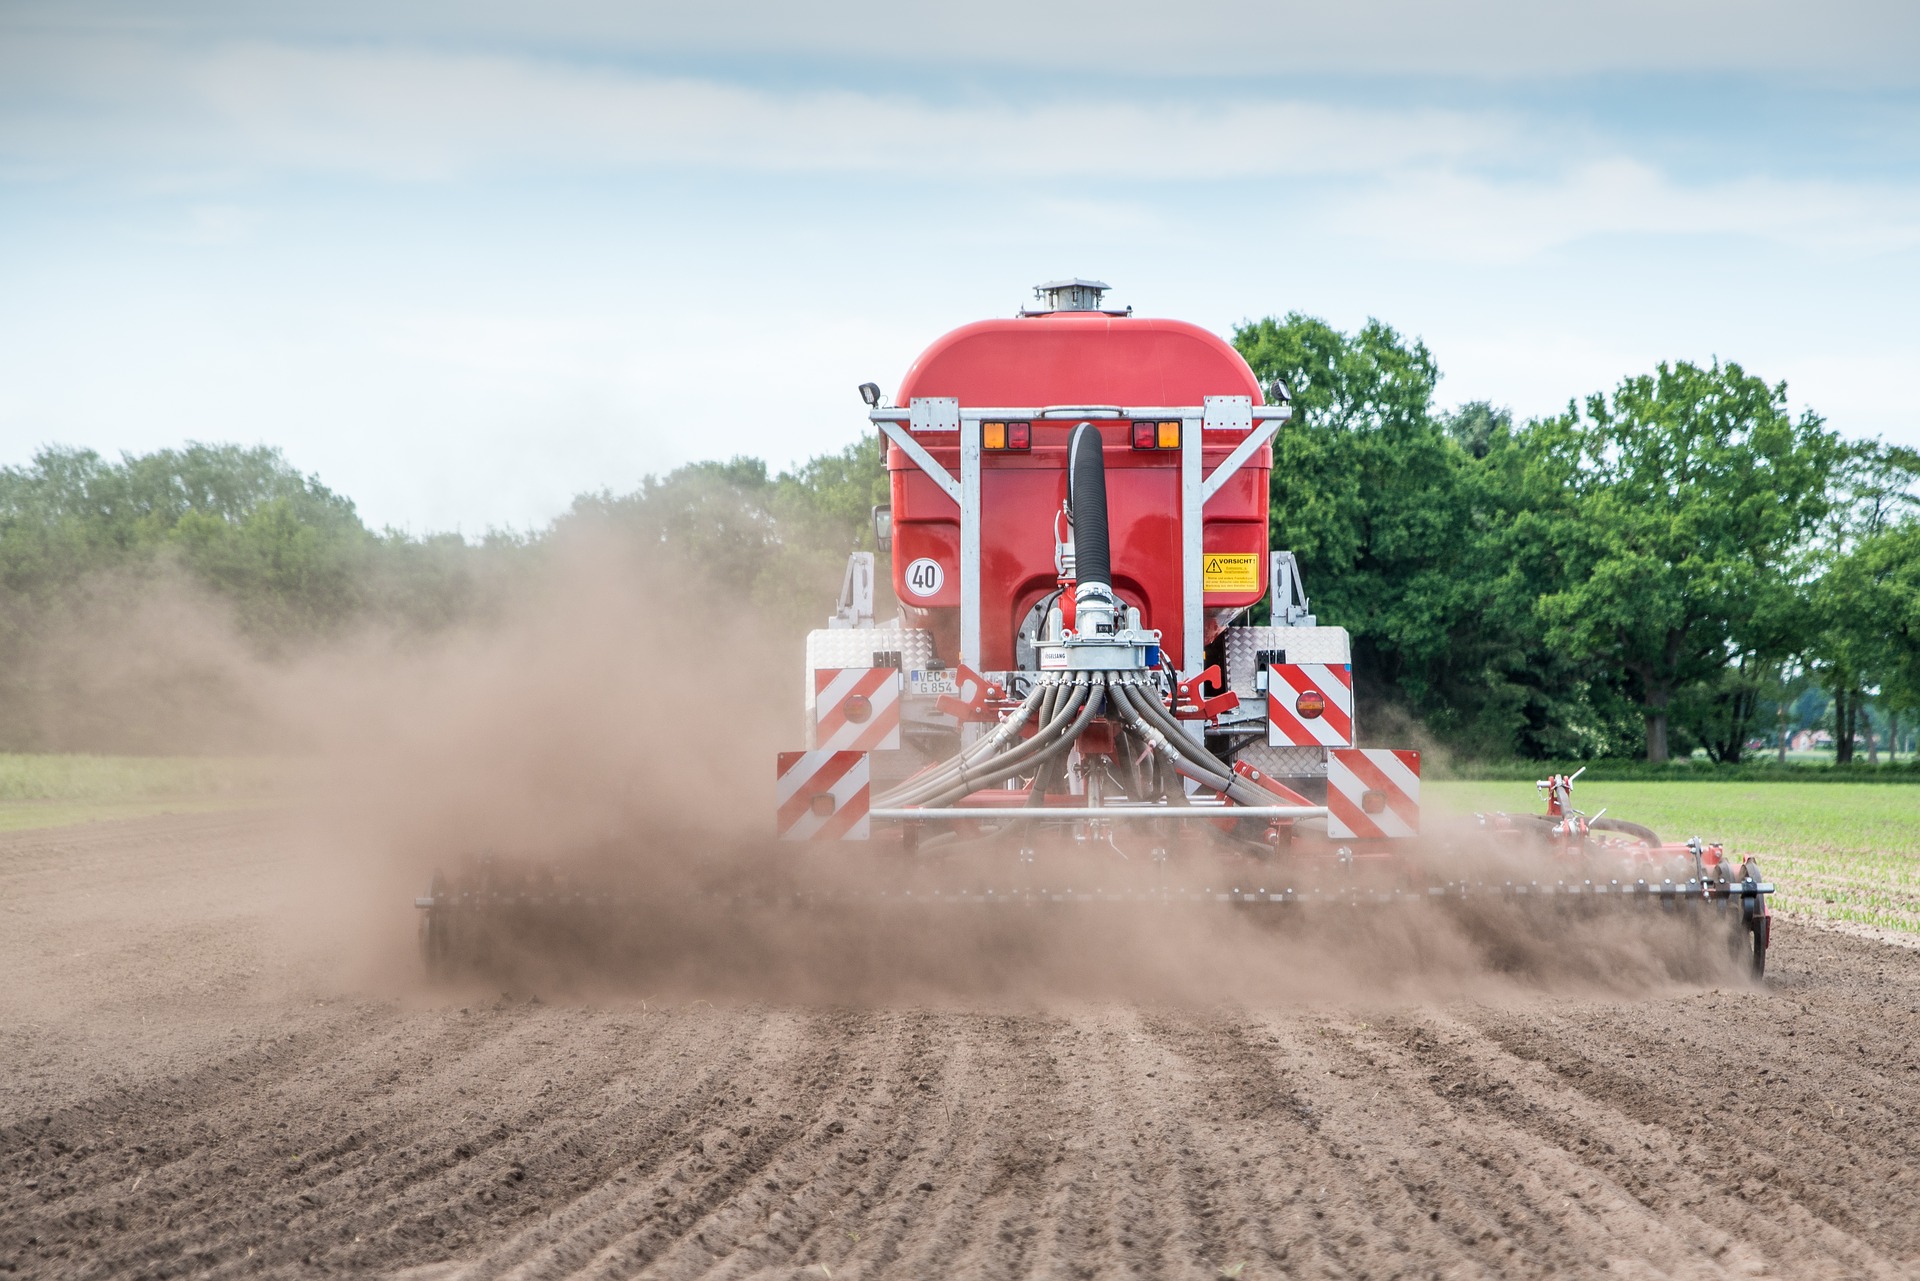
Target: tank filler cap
[{"x": 1072, "y": 295}]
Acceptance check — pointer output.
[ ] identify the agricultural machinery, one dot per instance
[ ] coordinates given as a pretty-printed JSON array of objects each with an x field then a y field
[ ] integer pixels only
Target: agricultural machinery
[
  {"x": 1635, "y": 861},
  {"x": 1074, "y": 703},
  {"x": 1078, "y": 528},
  {"x": 1078, "y": 531}
]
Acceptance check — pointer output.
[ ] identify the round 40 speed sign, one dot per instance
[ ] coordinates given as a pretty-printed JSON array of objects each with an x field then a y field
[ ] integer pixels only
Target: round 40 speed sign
[{"x": 925, "y": 577}]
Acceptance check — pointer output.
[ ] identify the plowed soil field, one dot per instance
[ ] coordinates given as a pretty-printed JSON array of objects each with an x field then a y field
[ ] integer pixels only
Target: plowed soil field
[{"x": 192, "y": 1081}]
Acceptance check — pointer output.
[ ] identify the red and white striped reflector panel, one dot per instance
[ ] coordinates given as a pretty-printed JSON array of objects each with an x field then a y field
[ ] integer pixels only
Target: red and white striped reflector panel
[
  {"x": 1310, "y": 705},
  {"x": 823, "y": 796},
  {"x": 1372, "y": 792},
  {"x": 856, "y": 709}
]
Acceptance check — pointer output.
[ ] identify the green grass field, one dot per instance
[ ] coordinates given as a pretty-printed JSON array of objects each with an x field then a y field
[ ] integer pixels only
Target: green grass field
[
  {"x": 1842, "y": 851},
  {"x": 53, "y": 791}
]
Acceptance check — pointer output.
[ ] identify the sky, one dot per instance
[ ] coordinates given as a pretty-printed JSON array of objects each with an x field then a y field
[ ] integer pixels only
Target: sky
[{"x": 465, "y": 261}]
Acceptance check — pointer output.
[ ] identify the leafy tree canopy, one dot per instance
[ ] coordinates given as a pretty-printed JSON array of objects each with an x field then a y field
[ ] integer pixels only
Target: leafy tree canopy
[{"x": 1692, "y": 494}]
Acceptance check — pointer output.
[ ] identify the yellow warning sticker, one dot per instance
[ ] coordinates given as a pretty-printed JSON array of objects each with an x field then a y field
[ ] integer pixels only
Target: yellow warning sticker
[{"x": 1221, "y": 572}]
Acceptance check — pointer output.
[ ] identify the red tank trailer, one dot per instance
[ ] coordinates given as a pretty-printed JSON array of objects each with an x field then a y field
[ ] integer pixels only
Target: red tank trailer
[
  {"x": 1077, "y": 366},
  {"x": 1077, "y": 533}
]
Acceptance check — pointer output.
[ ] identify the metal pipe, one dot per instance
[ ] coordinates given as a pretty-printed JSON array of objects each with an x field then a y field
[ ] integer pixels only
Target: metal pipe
[
  {"x": 904, "y": 414},
  {"x": 970, "y": 516},
  {"x": 1117, "y": 811},
  {"x": 1260, "y": 435},
  {"x": 1193, "y": 631}
]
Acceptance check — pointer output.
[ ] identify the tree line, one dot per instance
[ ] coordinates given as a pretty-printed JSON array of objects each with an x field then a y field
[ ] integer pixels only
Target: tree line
[
  {"x": 1667, "y": 566},
  {"x": 1652, "y": 571}
]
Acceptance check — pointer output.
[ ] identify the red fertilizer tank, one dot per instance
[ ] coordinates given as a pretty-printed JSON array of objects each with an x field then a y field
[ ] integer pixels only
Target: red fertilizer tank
[{"x": 1063, "y": 362}]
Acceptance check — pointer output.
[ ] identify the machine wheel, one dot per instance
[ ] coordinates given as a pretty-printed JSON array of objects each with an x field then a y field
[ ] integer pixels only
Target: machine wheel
[
  {"x": 1761, "y": 926},
  {"x": 1761, "y": 929},
  {"x": 435, "y": 934}
]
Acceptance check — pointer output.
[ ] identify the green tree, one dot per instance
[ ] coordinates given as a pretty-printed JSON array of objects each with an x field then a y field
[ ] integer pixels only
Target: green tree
[
  {"x": 289, "y": 553},
  {"x": 1398, "y": 518},
  {"x": 1478, "y": 426},
  {"x": 779, "y": 542},
  {"x": 1692, "y": 496},
  {"x": 1859, "y": 603},
  {"x": 1868, "y": 606}
]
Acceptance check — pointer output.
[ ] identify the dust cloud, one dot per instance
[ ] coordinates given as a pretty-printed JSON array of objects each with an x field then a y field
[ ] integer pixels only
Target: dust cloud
[{"x": 605, "y": 744}]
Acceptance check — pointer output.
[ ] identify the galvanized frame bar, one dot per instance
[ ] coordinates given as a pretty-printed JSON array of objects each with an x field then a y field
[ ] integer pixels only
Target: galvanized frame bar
[
  {"x": 921, "y": 458},
  {"x": 970, "y": 540},
  {"x": 1263, "y": 431},
  {"x": 1193, "y": 634},
  {"x": 1195, "y": 489},
  {"x": 901, "y": 414},
  {"x": 1021, "y": 813}
]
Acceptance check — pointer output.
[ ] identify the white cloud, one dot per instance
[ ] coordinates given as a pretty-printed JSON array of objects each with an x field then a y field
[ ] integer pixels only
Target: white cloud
[
  {"x": 1086, "y": 41},
  {"x": 473, "y": 263},
  {"x": 1460, "y": 215},
  {"x": 421, "y": 116},
  {"x": 1476, "y": 185}
]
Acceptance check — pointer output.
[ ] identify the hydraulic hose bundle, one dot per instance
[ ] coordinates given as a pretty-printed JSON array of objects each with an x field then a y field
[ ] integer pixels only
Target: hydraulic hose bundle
[{"x": 1065, "y": 704}]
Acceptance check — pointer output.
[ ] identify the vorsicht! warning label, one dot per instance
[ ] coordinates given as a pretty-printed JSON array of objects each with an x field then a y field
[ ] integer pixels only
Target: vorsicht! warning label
[{"x": 1220, "y": 572}]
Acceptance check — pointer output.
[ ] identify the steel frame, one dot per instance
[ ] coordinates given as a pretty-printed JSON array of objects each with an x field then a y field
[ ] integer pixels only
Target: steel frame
[
  {"x": 1196, "y": 487},
  {"x": 1123, "y": 810}
]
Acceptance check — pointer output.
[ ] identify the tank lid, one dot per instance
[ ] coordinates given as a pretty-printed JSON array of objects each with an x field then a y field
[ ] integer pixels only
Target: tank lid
[{"x": 1072, "y": 295}]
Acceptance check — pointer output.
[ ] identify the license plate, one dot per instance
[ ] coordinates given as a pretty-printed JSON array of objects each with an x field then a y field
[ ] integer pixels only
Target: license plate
[{"x": 931, "y": 684}]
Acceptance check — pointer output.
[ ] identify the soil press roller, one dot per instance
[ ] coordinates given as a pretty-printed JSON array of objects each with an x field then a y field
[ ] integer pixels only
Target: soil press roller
[{"x": 1073, "y": 703}]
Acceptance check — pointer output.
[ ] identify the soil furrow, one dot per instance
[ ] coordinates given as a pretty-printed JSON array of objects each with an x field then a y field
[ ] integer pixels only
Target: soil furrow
[{"x": 185, "y": 1091}]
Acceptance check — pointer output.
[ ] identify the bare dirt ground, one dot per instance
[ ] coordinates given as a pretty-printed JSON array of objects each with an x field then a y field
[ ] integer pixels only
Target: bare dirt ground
[{"x": 192, "y": 1081}]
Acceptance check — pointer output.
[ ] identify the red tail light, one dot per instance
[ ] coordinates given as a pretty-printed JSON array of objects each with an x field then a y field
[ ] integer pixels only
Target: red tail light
[
  {"x": 1010, "y": 437},
  {"x": 1157, "y": 435}
]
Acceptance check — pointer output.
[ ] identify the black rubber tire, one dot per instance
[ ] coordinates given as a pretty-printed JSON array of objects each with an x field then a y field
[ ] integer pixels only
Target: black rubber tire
[{"x": 1760, "y": 926}]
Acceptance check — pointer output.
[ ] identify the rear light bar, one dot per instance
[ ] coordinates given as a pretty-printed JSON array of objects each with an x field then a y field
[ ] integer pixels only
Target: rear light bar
[
  {"x": 1162, "y": 434},
  {"x": 1011, "y": 437}
]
